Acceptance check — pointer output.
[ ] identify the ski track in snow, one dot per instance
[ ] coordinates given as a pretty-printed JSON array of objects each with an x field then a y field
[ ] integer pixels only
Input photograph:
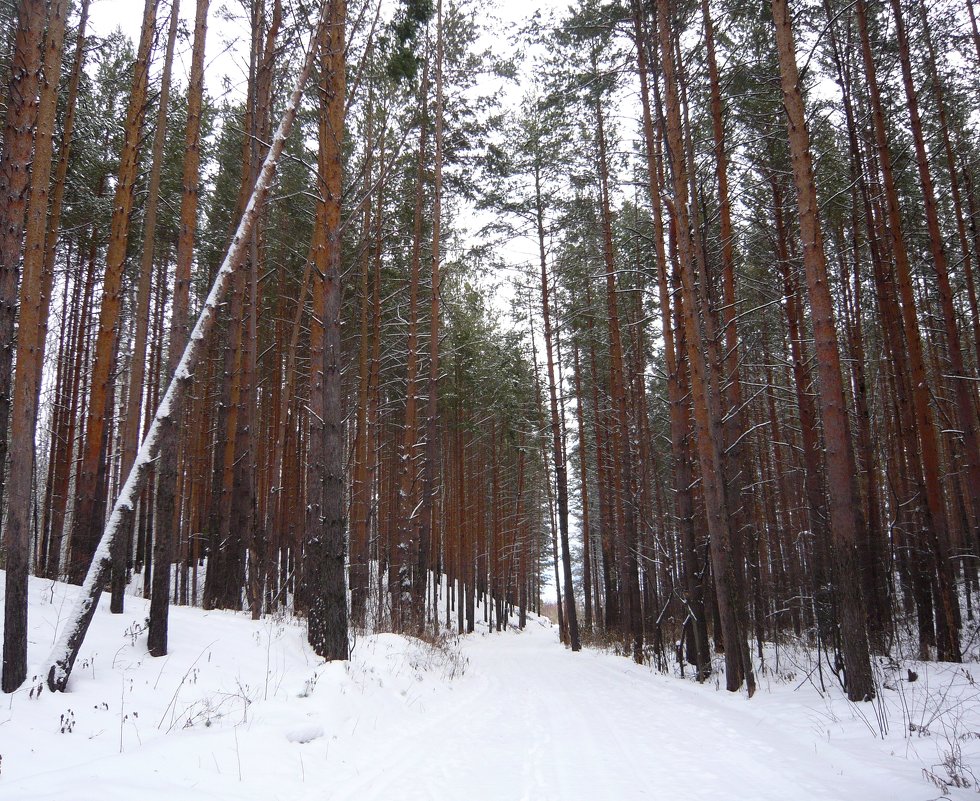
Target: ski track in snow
[{"x": 526, "y": 721}]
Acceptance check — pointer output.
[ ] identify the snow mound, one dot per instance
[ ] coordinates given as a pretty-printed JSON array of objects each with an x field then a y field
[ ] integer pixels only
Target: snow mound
[{"x": 305, "y": 734}]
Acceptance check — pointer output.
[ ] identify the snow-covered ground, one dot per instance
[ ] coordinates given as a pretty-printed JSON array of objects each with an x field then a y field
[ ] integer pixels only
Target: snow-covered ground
[{"x": 244, "y": 710}]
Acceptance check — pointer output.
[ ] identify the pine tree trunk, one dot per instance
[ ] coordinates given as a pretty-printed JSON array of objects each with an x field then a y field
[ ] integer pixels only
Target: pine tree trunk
[
  {"x": 326, "y": 535},
  {"x": 813, "y": 466},
  {"x": 166, "y": 519},
  {"x": 70, "y": 639},
  {"x": 67, "y": 430},
  {"x": 430, "y": 458},
  {"x": 707, "y": 414},
  {"x": 360, "y": 508},
  {"x": 30, "y": 354},
  {"x": 698, "y": 655},
  {"x": 962, "y": 386},
  {"x": 15, "y": 186},
  {"x": 406, "y": 524},
  {"x": 874, "y": 569},
  {"x": 584, "y": 493},
  {"x": 845, "y": 526},
  {"x": 622, "y": 446},
  {"x": 550, "y": 495},
  {"x": 58, "y": 408},
  {"x": 557, "y": 445},
  {"x": 53, "y": 230},
  {"x": 974, "y": 28},
  {"x": 137, "y": 369},
  {"x": 936, "y": 520},
  {"x": 89, "y": 502}
]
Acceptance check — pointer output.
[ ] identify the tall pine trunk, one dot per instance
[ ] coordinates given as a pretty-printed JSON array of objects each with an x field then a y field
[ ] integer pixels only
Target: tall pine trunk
[
  {"x": 707, "y": 413},
  {"x": 30, "y": 354},
  {"x": 166, "y": 519},
  {"x": 844, "y": 523},
  {"x": 326, "y": 535},
  {"x": 137, "y": 370},
  {"x": 90, "y": 488},
  {"x": 163, "y": 424}
]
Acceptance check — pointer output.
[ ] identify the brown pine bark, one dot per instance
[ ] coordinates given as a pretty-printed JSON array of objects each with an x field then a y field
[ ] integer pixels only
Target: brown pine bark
[
  {"x": 969, "y": 258},
  {"x": 90, "y": 498},
  {"x": 622, "y": 447},
  {"x": 65, "y": 651},
  {"x": 583, "y": 461},
  {"x": 429, "y": 501},
  {"x": 147, "y": 504},
  {"x": 360, "y": 507},
  {"x": 400, "y": 571},
  {"x": 557, "y": 434},
  {"x": 843, "y": 501},
  {"x": 69, "y": 422},
  {"x": 462, "y": 573},
  {"x": 326, "y": 535},
  {"x": 781, "y": 517},
  {"x": 30, "y": 354},
  {"x": 247, "y": 559},
  {"x": 223, "y": 581},
  {"x": 904, "y": 463},
  {"x": 549, "y": 490},
  {"x": 962, "y": 386},
  {"x": 15, "y": 185},
  {"x": 813, "y": 464},
  {"x": 973, "y": 217},
  {"x": 738, "y": 465},
  {"x": 725, "y": 217},
  {"x": 698, "y": 653},
  {"x": 53, "y": 230},
  {"x": 874, "y": 561},
  {"x": 64, "y": 152},
  {"x": 137, "y": 370},
  {"x": 707, "y": 413},
  {"x": 59, "y": 406},
  {"x": 936, "y": 520},
  {"x": 609, "y": 593},
  {"x": 166, "y": 517},
  {"x": 521, "y": 539},
  {"x": 973, "y": 26}
]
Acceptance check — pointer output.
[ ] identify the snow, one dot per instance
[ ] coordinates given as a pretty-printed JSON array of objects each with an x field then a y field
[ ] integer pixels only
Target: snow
[
  {"x": 243, "y": 709},
  {"x": 305, "y": 733}
]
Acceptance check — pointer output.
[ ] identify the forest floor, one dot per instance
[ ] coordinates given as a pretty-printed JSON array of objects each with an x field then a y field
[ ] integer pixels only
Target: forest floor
[{"x": 244, "y": 710}]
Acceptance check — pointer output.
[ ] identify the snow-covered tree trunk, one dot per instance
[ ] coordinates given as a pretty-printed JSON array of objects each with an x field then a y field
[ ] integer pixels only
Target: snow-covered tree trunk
[{"x": 72, "y": 635}]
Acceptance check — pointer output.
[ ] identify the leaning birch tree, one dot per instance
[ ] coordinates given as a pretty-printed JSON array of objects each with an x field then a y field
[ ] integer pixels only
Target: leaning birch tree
[{"x": 66, "y": 648}]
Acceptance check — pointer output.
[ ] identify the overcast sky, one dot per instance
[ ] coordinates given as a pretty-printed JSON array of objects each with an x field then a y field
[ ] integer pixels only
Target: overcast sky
[
  {"x": 227, "y": 59},
  {"x": 228, "y": 35}
]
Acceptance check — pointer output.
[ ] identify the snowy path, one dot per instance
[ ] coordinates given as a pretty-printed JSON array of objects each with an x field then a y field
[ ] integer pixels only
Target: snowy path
[
  {"x": 540, "y": 723},
  {"x": 242, "y": 710}
]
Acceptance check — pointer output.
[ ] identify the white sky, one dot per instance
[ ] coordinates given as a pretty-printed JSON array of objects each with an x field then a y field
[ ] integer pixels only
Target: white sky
[
  {"x": 227, "y": 59},
  {"x": 227, "y": 46},
  {"x": 228, "y": 43}
]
